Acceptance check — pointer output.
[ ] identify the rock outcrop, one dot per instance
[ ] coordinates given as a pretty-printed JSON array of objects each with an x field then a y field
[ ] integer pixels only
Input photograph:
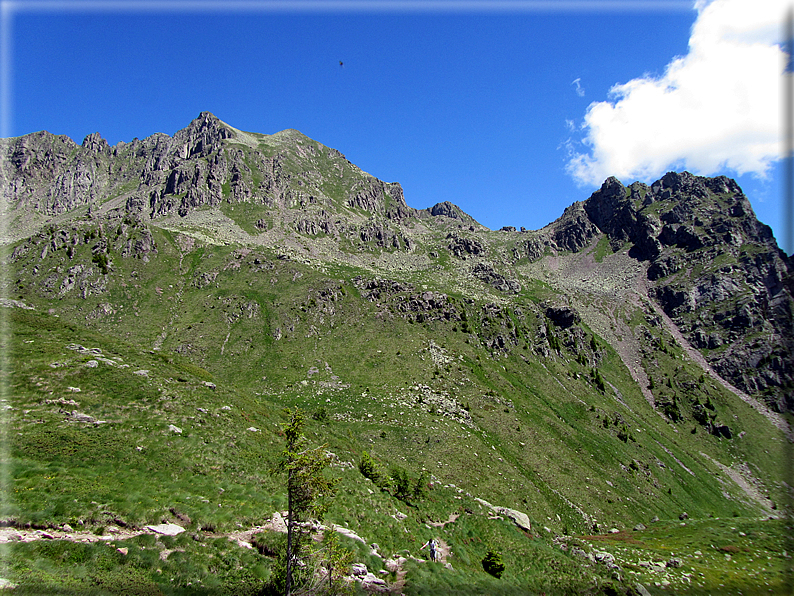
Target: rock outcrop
[{"x": 715, "y": 270}]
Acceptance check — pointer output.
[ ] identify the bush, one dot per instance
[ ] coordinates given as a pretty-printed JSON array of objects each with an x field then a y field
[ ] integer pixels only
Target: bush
[
  {"x": 102, "y": 261},
  {"x": 321, "y": 415},
  {"x": 401, "y": 483},
  {"x": 370, "y": 469},
  {"x": 599, "y": 381},
  {"x": 492, "y": 563},
  {"x": 420, "y": 486}
]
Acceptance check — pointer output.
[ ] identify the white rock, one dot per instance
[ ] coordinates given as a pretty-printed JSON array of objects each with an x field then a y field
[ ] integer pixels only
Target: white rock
[
  {"x": 372, "y": 579},
  {"x": 348, "y": 533},
  {"x": 175, "y": 429},
  {"x": 278, "y": 523},
  {"x": 166, "y": 529},
  {"x": 520, "y": 519}
]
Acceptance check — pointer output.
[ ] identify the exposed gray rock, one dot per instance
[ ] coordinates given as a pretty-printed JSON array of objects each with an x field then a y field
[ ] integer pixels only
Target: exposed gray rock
[
  {"x": 519, "y": 518},
  {"x": 461, "y": 246},
  {"x": 563, "y": 316},
  {"x": 486, "y": 273},
  {"x": 166, "y": 529}
]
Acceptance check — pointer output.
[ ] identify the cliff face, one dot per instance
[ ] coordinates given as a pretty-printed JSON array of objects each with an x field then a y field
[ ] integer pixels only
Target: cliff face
[
  {"x": 714, "y": 269},
  {"x": 201, "y": 165}
]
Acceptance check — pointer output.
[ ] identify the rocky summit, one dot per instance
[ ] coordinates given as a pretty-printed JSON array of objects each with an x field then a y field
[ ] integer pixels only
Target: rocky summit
[{"x": 166, "y": 299}]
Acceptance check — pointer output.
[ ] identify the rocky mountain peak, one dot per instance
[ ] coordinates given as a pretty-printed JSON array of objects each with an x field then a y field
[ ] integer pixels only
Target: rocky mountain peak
[
  {"x": 95, "y": 143},
  {"x": 697, "y": 234},
  {"x": 447, "y": 209},
  {"x": 202, "y": 136}
]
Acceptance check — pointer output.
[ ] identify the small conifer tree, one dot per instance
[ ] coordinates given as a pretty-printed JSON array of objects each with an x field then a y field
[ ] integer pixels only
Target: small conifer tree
[
  {"x": 493, "y": 564},
  {"x": 308, "y": 493}
]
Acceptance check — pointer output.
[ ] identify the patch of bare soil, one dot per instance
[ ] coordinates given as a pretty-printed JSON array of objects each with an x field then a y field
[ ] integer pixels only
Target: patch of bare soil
[{"x": 452, "y": 518}]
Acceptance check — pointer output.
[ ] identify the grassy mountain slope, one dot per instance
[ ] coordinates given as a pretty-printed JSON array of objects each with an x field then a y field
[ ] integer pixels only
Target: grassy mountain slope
[{"x": 174, "y": 320}]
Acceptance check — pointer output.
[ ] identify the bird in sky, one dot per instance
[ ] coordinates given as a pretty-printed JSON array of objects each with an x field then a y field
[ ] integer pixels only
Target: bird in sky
[{"x": 341, "y": 64}]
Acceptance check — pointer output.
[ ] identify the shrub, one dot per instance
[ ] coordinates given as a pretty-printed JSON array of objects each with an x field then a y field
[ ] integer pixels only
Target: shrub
[
  {"x": 102, "y": 261},
  {"x": 401, "y": 483},
  {"x": 599, "y": 381},
  {"x": 492, "y": 563},
  {"x": 420, "y": 486},
  {"x": 370, "y": 469}
]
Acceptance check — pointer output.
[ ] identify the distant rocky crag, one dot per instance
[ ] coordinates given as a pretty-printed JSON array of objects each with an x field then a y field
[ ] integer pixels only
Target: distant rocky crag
[
  {"x": 310, "y": 188},
  {"x": 714, "y": 269}
]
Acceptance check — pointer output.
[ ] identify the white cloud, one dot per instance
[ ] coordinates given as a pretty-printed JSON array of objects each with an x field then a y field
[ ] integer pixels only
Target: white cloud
[
  {"x": 579, "y": 88},
  {"x": 715, "y": 110}
]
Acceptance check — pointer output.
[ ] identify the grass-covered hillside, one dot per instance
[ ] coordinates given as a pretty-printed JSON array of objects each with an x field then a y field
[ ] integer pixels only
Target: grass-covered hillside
[{"x": 151, "y": 361}]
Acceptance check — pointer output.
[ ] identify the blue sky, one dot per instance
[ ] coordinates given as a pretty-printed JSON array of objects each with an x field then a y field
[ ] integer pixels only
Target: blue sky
[{"x": 508, "y": 109}]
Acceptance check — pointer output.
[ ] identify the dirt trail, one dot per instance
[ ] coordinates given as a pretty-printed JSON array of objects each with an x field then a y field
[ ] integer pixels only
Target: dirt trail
[
  {"x": 452, "y": 518},
  {"x": 242, "y": 537},
  {"x": 443, "y": 552}
]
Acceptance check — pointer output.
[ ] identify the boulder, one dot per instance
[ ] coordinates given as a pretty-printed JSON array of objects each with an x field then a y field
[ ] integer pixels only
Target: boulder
[
  {"x": 562, "y": 316},
  {"x": 166, "y": 529},
  {"x": 520, "y": 519}
]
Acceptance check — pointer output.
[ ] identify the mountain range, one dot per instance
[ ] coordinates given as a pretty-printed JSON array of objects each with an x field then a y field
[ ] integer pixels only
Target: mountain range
[{"x": 631, "y": 361}]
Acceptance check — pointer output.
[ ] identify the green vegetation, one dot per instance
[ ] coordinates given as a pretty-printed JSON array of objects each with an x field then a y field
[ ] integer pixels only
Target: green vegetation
[
  {"x": 308, "y": 494},
  {"x": 492, "y": 563},
  {"x": 603, "y": 249},
  {"x": 157, "y": 377}
]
